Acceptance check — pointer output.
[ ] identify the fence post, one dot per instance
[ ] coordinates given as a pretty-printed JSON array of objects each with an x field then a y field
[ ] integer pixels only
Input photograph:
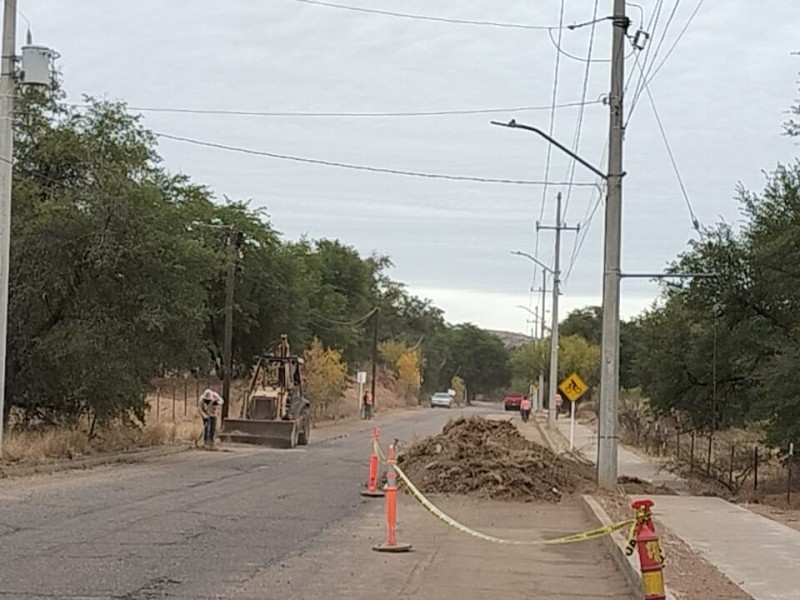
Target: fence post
[
  {"x": 755, "y": 468},
  {"x": 158, "y": 404},
  {"x": 691, "y": 454},
  {"x": 708, "y": 460},
  {"x": 730, "y": 471},
  {"x": 185, "y": 396},
  {"x": 678, "y": 446},
  {"x": 173, "y": 400}
]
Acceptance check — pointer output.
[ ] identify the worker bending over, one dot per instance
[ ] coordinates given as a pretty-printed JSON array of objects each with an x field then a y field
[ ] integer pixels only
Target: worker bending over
[{"x": 208, "y": 406}]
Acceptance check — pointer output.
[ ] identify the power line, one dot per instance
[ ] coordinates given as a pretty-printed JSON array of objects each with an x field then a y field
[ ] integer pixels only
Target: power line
[
  {"x": 677, "y": 39},
  {"x": 557, "y": 45},
  {"x": 388, "y": 13},
  {"x": 594, "y": 203},
  {"x": 664, "y": 36},
  {"x": 341, "y": 165},
  {"x": 579, "y": 125},
  {"x": 652, "y": 27},
  {"x": 695, "y": 222},
  {"x": 552, "y": 124},
  {"x": 352, "y": 323},
  {"x": 431, "y": 113}
]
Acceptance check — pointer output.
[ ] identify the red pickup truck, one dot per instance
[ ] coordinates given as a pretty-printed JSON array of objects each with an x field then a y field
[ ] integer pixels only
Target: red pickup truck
[{"x": 513, "y": 400}]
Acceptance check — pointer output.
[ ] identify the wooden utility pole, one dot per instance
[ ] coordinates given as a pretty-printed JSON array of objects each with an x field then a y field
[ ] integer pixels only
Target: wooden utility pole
[
  {"x": 374, "y": 357},
  {"x": 232, "y": 244}
]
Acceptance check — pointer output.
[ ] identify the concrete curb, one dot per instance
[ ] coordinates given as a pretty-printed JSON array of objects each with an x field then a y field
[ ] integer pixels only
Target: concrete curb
[
  {"x": 133, "y": 456},
  {"x": 545, "y": 434},
  {"x": 615, "y": 544}
]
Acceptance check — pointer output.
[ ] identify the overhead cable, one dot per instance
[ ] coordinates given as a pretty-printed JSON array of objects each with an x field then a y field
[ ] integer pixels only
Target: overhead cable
[{"x": 342, "y": 165}]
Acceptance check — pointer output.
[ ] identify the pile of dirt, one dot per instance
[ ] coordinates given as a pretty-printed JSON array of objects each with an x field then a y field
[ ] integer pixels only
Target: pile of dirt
[{"x": 490, "y": 459}]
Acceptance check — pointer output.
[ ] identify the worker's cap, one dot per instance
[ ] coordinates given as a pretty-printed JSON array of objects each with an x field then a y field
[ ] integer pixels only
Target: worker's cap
[{"x": 210, "y": 395}]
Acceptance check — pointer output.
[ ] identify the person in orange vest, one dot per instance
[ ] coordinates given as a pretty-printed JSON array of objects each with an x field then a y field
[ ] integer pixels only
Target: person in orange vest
[
  {"x": 368, "y": 405},
  {"x": 525, "y": 408}
]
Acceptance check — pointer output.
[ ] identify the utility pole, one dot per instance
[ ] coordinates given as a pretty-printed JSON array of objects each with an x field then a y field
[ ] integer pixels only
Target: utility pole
[
  {"x": 609, "y": 361},
  {"x": 233, "y": 242},
  {"x": 7, "y": 65},
  {"x": 540, "y": 399},
  {"x": 374, "y": 358},
  {"x": 558, "y": 228}
]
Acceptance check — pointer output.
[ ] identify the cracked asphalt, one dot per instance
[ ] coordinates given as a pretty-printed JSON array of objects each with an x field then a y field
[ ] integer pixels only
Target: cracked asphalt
[{"x": 195, "y": 525}]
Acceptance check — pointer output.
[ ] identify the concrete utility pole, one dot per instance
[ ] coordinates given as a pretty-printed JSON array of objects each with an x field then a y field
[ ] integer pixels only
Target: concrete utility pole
[
  {"x": 7, "y": 65},
  {"x": 540, "y": 391},
  {"x": 609, "y": 362},
  {"x": 558, "y": 228}
]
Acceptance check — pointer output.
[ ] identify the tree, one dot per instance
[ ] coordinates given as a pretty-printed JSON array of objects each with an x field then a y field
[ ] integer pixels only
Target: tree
[
  {"x": 106, "y": 290},
  {"x": 408, "y": 371},
  {"x": 325, "y": 377},
  {"x": 479, "y": 358},
  {"x": 585, "y": 322}
]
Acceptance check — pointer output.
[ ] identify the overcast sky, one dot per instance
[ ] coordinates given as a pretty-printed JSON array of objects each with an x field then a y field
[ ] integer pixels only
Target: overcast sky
[{"x": 721, "y": 95}]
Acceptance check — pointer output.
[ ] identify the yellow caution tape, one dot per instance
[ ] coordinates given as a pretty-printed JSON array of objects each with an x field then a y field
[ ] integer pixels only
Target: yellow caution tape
[{"x": 448, "y": 520}]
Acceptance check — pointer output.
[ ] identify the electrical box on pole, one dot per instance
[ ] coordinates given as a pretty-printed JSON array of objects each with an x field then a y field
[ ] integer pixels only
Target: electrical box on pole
[{"x": 37, "y": 65}]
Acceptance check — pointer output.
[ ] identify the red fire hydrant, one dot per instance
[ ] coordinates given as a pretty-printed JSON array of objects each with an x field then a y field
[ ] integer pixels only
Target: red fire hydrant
[{"x": 651, "y": 558}]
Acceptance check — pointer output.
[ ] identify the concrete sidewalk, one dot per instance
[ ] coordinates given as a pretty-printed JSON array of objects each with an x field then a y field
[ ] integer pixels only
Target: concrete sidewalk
[
  {"x": 756, "y": 553},
  {"x": 630, "y": 463}
]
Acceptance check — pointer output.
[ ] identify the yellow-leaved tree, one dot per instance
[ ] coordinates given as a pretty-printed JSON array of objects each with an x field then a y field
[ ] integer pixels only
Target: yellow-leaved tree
[
  {"x": 459, "y": 387},
  {"x": 408, "y": 370},
  {"x": 391, "y": 351},
  {"x": 325, "y": 378}
]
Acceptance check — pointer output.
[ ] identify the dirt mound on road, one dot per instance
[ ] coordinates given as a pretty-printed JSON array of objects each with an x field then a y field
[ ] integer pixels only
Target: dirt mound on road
[{"x": 490, "y": 459}]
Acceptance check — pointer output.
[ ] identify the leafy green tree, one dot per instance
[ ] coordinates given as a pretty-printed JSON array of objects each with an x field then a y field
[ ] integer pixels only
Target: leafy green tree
[
  {"x": 585, "y": 322},
  {"x": 479, "y": 358},
  {"x": 106, "y": 290}
]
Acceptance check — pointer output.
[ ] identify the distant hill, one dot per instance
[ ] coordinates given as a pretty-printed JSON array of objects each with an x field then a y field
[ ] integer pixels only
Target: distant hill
[{"x": 511, "y": 339}]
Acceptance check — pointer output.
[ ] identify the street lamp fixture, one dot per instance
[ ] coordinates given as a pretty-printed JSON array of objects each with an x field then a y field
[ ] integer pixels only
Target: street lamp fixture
[
  {"x": 533, "y": 259},
  {"x": 512, "y": 124}
]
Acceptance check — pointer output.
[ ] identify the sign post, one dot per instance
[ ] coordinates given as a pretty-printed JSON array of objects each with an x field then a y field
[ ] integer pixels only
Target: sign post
[
  {"x": 573, "y": 388},
  {"x": 361, "y": 378}
]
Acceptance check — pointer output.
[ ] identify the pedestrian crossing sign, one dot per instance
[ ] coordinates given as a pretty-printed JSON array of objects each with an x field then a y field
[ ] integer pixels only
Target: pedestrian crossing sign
[{"x": 573, "y": 387}]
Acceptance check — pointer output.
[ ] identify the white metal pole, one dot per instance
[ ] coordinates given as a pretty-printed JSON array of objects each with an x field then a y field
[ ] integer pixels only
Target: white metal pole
[
  {"x": 6, "y": 173},
  {"x": 572, "y": 427}
]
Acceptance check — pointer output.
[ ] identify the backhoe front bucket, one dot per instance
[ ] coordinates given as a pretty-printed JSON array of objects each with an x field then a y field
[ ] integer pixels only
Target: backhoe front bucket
[{"x": 276, "y": 434}]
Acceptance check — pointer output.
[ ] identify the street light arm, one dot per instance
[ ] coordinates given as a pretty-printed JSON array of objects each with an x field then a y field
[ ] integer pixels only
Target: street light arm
[
  {"x": 525, "y": 308},
  {"x": 531, "y": 258},
  {"x": 512, "y": 124}
]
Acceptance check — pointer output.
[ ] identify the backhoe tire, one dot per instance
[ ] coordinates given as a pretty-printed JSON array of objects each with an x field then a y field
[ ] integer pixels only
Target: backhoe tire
[{"x": 304, "y": 432}]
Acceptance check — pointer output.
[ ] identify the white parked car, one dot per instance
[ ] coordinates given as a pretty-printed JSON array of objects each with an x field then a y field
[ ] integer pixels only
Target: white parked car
[{"x": 442, "y": 399}]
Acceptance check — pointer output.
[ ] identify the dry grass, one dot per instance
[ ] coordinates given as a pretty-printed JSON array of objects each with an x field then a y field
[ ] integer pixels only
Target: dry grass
[
  {"x": 40, "y": 446},
  {"x": 171, "y": 418}
]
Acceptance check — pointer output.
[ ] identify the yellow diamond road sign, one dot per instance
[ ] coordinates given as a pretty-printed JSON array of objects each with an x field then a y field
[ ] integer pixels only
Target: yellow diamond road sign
[{"x": 573, "y": 387}]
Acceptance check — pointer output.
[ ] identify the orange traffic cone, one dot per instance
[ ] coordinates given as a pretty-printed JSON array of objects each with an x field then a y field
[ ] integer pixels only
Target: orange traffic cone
[
  {"x": 391, "y": 544},
  {"x": 373, "y": 491}
]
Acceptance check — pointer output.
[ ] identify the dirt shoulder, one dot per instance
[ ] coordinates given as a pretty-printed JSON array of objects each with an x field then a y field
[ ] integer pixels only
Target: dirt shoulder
[
  {"x": 322, "y": 432},
  {"x": 446, "y": 564},
  {"x": 687, "y": 574}
]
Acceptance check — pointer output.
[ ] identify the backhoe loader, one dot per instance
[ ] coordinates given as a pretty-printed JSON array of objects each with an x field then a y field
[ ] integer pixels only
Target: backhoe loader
[{"x": 274, "y": 412}]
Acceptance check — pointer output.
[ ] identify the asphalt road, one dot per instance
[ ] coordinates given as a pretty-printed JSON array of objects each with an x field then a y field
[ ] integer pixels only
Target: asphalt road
[{"x": 195, "y": 525}]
